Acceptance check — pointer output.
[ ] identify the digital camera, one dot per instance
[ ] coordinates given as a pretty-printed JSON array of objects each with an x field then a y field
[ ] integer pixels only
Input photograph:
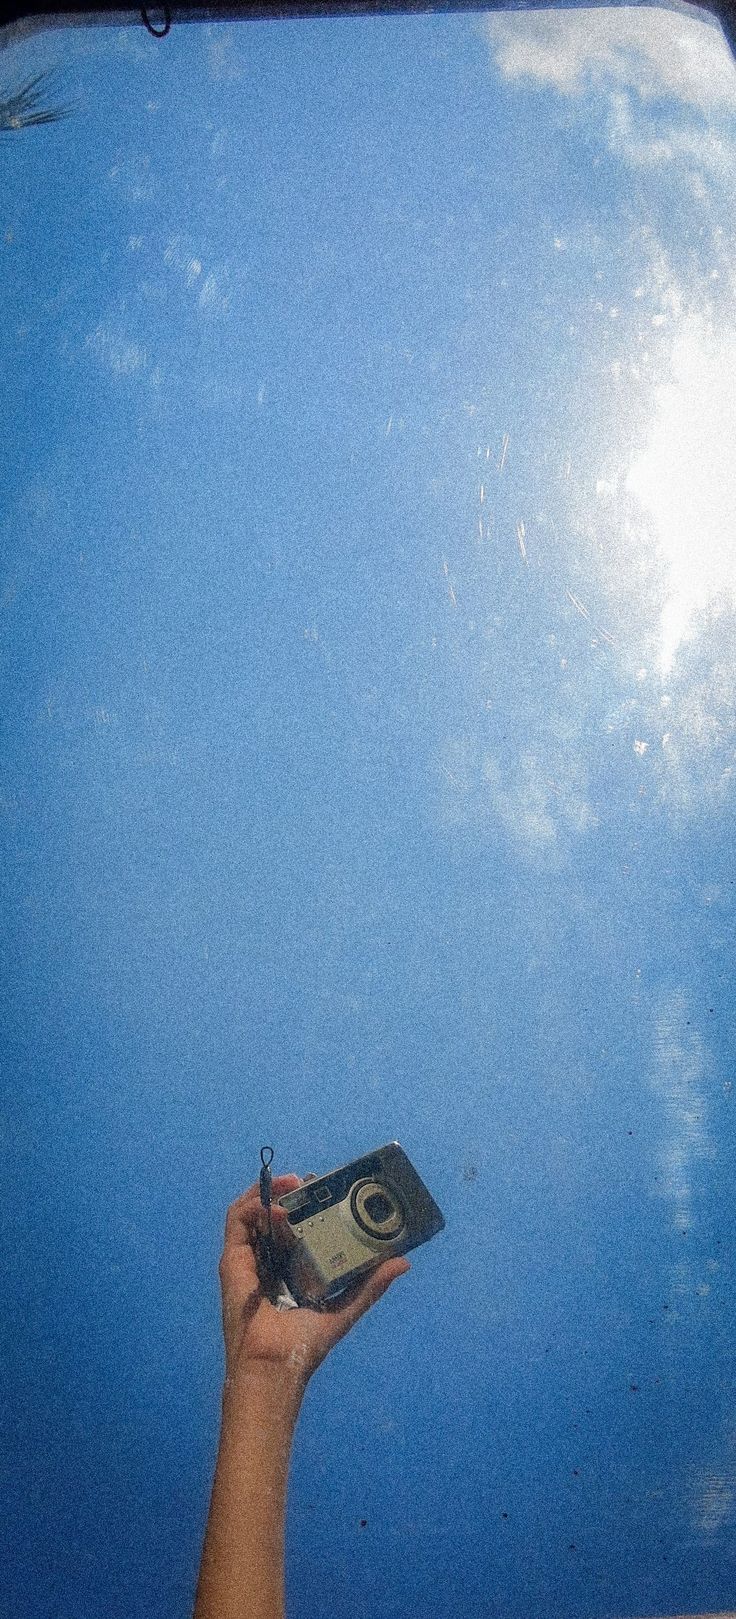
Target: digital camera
[{"x": 345, "y": 1223}]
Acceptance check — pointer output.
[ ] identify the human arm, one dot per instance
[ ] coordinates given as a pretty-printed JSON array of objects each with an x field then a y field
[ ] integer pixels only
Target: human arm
[
  {"x": 242, "y": 1570},
  {"x": 270, "y": 1356}
]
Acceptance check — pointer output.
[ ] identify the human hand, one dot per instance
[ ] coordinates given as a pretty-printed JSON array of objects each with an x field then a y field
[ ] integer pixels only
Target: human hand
[{"x": 258, "y": 1335}]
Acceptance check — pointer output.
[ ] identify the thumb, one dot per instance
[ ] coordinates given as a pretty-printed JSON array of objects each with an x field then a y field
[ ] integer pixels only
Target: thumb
[{"x": 368, "y": 1293}]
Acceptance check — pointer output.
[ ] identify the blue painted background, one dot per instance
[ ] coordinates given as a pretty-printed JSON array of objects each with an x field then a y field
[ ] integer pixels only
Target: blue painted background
[{"x": 340, "y": 804}]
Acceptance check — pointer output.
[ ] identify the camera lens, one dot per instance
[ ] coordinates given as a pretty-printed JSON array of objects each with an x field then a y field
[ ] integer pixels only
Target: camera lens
[
  {"x": 377, "y": 1210},
  {"x": 377, "y": 1207}
]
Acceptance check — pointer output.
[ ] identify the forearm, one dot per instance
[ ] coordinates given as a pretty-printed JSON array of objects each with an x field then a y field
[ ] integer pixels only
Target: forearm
[{"x": 242, "y": 1570}]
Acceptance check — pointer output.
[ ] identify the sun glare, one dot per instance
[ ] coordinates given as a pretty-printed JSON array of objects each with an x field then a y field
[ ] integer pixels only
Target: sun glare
[{"x": 685, "y": 479}]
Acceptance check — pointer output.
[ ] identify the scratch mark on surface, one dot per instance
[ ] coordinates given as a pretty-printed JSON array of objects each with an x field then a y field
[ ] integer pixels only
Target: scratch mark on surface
[
  {"x": 480, "y": 528},
  {"x": 451, "y": 592},
  {"x": 389, "y": 425},
  {"x": 520, "y": 535},
  {"x": 577, "y": 604},
  {"x": 482, "y": 493},
  {"x": 504, "y": 448}
]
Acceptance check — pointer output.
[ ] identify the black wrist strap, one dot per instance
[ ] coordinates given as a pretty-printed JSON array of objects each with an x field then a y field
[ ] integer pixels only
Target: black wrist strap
[
  {"x": 268, "y": 1251},
  {"x": 275, "y": 1277}
]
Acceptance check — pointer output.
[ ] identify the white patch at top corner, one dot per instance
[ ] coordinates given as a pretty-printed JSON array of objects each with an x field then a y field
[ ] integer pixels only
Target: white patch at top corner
[{"x": 650, "y": 51}]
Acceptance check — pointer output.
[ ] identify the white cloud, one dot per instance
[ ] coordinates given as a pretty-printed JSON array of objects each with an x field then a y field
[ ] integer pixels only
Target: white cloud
[
  {"x": 212, "y": 296},
  {"x": 179, "y": 253},
  {"x": 116, "y": 351},
  {"x": 224, "y": 61},
  {"x": 661, "y": 78},
  {"x": 538, "y": 799},
  {"x": 680, "y": 1072},
  {"x": 697, "y": 747},
  {"x": 134, "y": 174},
  {"x": 651, "y": 51},
  {"x": 715, "y": 1495},
  {"x": 645, "y": 145},
  {"x": 522, "y": 799},
  {"x": 678, "y": 1076},
  {"x": 212, "y": 288}
]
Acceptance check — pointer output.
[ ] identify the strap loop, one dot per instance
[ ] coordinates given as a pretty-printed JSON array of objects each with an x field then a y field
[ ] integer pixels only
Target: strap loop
[{"x": 158, "y": 33}]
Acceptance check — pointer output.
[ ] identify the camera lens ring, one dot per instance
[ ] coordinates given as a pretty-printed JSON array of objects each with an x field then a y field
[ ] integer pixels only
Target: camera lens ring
[{"x": 370, "y": 1187}]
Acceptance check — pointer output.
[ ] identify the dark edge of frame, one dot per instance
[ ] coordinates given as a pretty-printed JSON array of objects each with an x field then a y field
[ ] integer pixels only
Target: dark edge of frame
[{"x": 21, "y": 17}]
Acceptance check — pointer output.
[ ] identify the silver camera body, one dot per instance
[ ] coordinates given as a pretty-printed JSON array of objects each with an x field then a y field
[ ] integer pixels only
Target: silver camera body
[{"x": 345, "y": 1223}]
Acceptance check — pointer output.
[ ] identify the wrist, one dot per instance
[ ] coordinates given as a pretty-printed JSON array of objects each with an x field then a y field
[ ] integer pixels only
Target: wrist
[{"x": 275, "y": 1389}]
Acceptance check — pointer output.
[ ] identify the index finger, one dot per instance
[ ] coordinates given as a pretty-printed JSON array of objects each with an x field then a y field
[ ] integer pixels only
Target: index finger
[{"x": 243, "y": 1218}]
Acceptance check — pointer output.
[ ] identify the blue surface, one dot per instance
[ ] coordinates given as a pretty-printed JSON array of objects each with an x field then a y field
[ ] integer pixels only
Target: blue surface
[{"x": 359, "y": 783}]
